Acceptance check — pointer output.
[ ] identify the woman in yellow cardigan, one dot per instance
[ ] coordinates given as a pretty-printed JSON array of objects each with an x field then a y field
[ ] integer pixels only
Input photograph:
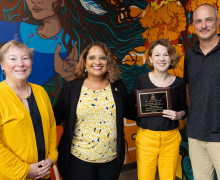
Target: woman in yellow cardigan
[{"x": 27, "y": 125}]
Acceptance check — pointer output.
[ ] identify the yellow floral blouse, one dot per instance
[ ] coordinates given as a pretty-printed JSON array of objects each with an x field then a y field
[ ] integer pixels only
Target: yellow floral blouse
[{"x": 95, "y": 137}]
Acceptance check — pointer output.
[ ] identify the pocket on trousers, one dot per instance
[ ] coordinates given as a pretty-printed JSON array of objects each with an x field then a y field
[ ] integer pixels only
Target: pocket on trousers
[
  {"x": 137, "y": 135},
  {"x": 180, "y": 137}
]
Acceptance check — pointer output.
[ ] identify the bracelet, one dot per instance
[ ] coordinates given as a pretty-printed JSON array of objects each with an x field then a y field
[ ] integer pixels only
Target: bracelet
[{"x": 181, "y": 115}]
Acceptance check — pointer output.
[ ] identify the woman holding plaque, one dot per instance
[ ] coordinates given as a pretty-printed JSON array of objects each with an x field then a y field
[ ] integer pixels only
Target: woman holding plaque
[
  {"x": 93, "y": 105},
  {"x": 158, "y": 138}
]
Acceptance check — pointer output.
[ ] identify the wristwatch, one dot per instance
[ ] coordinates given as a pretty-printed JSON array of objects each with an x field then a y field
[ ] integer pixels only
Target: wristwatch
[{"x": 181, "y": 116}]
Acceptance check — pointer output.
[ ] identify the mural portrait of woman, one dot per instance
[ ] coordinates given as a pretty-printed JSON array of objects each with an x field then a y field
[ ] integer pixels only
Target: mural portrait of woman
[{"x": 58, "y": 30}]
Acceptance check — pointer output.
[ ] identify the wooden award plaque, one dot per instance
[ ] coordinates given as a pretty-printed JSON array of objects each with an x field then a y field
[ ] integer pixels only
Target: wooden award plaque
[{"x": 151, "y": 102}]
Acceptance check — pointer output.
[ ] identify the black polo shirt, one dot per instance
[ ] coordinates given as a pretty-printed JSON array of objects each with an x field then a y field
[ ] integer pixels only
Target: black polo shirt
[{"x": 202, "y": 72}]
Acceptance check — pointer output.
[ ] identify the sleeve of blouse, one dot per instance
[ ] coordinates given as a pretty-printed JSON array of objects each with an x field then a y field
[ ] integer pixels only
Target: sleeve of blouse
[
  {"x": 133, "y": 94},
  {"x": 182, "y": 99},
  {"x": 11, "y": 166},
  {"x": 60, "y": 107}
]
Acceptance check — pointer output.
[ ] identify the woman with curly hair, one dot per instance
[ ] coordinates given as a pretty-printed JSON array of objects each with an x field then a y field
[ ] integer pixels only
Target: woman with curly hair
[
  {"x": 93, "y": 105},
  {"x": 158, "y": 138}
]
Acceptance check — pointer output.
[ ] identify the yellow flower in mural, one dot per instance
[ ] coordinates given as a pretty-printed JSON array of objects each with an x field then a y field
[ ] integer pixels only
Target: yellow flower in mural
[
  {"x": 170, "y": 19},
  {"x": 158, "y": 3},
  {"x": 173, "y": 24},
  {"x": 195, "y": 3},
  {"x": 218, "y": 5},
  {"x": 151, "y": 34},
  {"x": 169, "y": 35},
  {"x": 191, "y": 29},
  {"x": 149, "y": 17},
  {"x": 193, "y": 6},
  {"x": 162, "y": 15}
]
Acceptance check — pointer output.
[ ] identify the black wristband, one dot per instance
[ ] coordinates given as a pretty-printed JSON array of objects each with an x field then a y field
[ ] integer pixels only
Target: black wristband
[{"x": 181, "y": 116}]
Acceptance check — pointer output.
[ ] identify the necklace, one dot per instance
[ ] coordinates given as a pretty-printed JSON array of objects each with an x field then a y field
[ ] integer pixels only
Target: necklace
[
  {"x": 16, "y": 38},
  {"x": 22, "y": 98}
]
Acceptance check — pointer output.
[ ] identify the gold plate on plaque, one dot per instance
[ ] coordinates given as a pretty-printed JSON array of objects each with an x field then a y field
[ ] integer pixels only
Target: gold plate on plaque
[{"x": 151, "y": 102}]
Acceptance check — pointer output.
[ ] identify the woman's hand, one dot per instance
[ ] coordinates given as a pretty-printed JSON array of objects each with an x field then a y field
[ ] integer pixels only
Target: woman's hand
[
  {"x": 48, "y": 164},
  {"x": 173, "y": 115},
  {"x": 65, "y": 67},
  {"x": 38, "y": 170}
]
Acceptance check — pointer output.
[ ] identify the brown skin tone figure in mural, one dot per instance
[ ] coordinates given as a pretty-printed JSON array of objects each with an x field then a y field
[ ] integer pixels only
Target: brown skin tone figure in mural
[{"x": 44, "y": 10}]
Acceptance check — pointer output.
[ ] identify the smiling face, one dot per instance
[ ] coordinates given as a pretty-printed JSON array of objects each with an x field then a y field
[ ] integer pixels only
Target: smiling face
[
  {"x": 96, "y": 62},
  {"x": 205, "y": 22},
  {"x": 42, "y": 9},
  {"x": 16, "y": 64},
  {"x": 160, "y": 58}
]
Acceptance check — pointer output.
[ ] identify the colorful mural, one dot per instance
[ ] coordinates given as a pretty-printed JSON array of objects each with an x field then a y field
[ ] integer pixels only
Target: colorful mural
[{"x": 59, "y": 30}]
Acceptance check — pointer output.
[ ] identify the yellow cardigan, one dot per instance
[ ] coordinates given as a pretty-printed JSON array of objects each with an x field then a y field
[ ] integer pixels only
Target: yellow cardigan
[{"x": 18, "y": 147}]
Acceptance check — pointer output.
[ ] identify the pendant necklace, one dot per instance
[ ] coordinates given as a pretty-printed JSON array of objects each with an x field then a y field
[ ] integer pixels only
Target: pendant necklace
[{"x": 21, "y": 98}]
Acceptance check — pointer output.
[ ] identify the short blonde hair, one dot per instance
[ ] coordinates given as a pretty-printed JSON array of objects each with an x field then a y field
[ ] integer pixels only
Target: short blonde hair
[
  {"x": 175, "y": 58},
  {"x": 113, "y": 71},
  {"x": 4, "y": 49}
]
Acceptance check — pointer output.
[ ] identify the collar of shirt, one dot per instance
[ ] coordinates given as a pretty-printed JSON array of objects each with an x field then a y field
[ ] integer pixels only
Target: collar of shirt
[{"x": 197, "y": 49}]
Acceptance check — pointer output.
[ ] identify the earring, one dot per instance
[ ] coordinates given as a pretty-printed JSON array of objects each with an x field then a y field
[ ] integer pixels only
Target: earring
[
  {"x": 85, "y": 70},
  {"x": 62, "y": 5}
]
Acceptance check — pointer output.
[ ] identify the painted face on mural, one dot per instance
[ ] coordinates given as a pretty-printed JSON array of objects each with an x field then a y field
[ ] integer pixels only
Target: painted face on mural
[
  {"x": 205, "y": 22},
  {"x": 160, "y": 58},
  {"x": 42, "y": 9},
  {"x": 17, "y": 64},
  {"x": 96, "y": 62}
]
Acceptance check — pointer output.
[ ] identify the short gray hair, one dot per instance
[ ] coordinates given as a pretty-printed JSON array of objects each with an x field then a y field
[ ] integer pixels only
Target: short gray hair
[
  {"x": 4, "y": 49},
  {"x": 216, "y": 13}
]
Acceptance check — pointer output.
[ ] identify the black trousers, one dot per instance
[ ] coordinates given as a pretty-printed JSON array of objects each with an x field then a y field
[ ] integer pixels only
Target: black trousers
[{"x": 82, "y": 170}]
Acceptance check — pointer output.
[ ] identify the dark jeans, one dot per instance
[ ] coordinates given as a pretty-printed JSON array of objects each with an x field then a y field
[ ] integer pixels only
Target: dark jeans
[{"x": 82, "y": 170}]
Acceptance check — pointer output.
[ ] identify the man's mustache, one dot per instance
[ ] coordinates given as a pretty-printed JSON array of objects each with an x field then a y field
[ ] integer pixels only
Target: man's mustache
[{"x": 206, "y": 29}]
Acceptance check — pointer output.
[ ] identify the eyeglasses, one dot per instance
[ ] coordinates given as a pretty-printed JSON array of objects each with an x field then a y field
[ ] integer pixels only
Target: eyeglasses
[{"x": 101, "y": 58}]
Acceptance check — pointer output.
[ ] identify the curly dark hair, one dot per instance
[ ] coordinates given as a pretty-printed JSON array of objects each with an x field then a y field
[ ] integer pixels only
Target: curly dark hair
[
  {"x": 113, "y": 71},
  {"x": 175, "y": 58}
]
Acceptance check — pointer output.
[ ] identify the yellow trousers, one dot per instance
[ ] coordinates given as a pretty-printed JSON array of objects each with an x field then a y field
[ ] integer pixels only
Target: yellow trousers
[{"x": 157, "y": 148}]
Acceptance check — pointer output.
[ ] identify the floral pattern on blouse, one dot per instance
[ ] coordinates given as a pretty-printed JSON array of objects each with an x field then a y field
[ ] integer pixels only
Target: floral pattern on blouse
[{"x": 95, "y": 135}]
